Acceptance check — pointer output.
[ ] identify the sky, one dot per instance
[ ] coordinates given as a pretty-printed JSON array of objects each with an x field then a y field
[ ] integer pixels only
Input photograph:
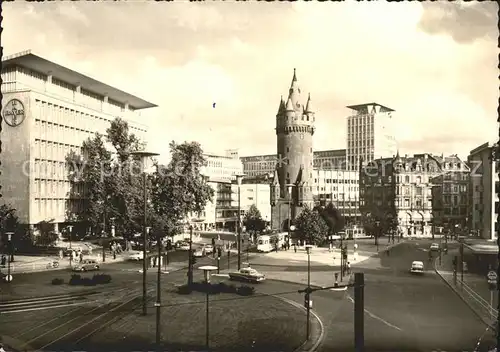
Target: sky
[{"x": 434, "y": 63}]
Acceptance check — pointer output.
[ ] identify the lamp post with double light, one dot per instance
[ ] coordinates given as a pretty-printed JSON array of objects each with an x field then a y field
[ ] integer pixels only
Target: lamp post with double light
[
  {"x": 239, "y": 178},
  {"x": 70, "y": 231},
  {"x": 144, "y": 157},
  {"x": 206, "y": 270}
]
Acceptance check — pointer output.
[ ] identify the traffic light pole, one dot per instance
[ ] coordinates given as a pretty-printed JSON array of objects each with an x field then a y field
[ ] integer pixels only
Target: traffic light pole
[{"x": 359, "y": 307}]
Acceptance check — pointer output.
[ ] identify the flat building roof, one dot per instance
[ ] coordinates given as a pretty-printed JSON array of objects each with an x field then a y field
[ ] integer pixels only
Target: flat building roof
[
  {"x": 363, "y": 107},
  {"x": 37, "y": 63}
]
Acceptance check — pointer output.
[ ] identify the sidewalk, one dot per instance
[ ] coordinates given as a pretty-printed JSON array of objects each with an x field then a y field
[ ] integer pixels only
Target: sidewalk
[
  {"x": 28, "y": 264},
  {"x": 474, "y": 289},
  {"x": 324, "y": 256}
]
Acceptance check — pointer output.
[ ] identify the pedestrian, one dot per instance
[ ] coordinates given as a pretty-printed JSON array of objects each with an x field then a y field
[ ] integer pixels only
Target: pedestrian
[
  {"x": 114, "y": 254},
  {"x": 295, "y": 247},
  {"x": 81, "y": 257},
  {"x": 4, "y": 260},
  {"x": 348, "y": 268}
]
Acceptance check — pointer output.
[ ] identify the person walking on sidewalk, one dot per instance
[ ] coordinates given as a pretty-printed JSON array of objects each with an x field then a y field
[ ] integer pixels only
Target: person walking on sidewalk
[{"x": 348, "y": 271}]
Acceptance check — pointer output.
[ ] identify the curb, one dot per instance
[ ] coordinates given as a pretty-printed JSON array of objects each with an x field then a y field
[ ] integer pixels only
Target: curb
[{"x": 484, "y": 321}]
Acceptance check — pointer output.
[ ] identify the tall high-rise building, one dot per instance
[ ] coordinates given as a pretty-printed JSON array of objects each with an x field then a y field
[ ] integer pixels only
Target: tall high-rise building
[
  {"x": 370, "y": 134},
  {"x": 49, "y": 110},
  {"x": 291, "y": 188}
]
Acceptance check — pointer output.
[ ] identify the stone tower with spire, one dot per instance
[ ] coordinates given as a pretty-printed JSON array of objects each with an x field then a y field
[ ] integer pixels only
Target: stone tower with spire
[{"x": 291, "y": 188}]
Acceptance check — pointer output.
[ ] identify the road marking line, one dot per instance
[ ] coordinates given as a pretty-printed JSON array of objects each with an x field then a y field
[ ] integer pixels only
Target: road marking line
[
  {"x": 377, "y": 317},
  {"x": 220, "y": 275}
]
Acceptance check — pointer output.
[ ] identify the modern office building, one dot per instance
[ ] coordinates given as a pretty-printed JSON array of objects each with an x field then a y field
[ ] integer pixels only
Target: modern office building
[
  {"x": 258, "y": 165},
  {"x": 48, "y": 111},
  {"x": 222, "y": 167},
  {"x": 484, "y": 186},
  {"x": 341, "y": 187},
  {"x": 370, "y": 134}
]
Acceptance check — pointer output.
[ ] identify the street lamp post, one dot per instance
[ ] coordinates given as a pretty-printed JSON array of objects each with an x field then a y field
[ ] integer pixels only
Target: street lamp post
[
  {"x": 377, "y": 233},
  {"x": 144, "y": 156},
  {"x": 290, "y": 202},
  {"x": 158, "y": 293},
  {"x": 206, "y": 270},
  {"x": 70, "y": 230},
  {"x": 308, "y": 307},
  {"x": 239, "y": 178},
  {"x": 8, "y": 278}
]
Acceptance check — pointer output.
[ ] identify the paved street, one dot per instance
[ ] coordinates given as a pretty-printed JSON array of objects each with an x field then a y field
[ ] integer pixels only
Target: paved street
[
  {"x": 41, "y": 323},
  {"x": 403, "y": 312}
]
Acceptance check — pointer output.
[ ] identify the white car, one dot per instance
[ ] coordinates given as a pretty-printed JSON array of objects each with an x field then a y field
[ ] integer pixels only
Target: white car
[
  {"x": 417, "y": 267},
  {"x": 135, "y": 255},
  {"x": 434, "y": 247},
  {"x": 209, "y": 249},
  {"x": 184, "y": 247},
  {"x": 199, "y": 253}
]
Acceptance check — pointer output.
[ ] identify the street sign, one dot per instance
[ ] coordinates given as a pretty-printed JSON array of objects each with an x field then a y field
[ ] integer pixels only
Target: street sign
[{"x": 492, "y": 275}]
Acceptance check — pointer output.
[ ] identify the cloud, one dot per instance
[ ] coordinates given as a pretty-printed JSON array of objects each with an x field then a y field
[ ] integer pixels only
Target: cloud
[
  {"x": 184, "y": 57},
  {"x": 463, "y": 21}
]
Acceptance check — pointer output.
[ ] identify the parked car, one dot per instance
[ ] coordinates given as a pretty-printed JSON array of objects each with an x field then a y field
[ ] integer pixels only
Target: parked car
[
  {"x": 184, "y": 246},
  {"x": 135, "y": 255},
  {"x": 209, "y": 249},
  {"x": 86, "y": 265},
  {"x": 199, "y": 252},
  {"x": 417, "y": 267},
  {"x": 434, "y": 247},
  {"x": 247, "y": 274}
]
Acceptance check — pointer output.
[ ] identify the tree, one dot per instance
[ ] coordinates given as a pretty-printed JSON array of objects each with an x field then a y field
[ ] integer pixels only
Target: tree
[
  {"x": 112, "y": 185},
  {"x": 9, "y": 222},
  {"x": 92, "y": 170},
  {"x": 253, "y": 220},
  {"x": 311, "y": 227},
  {"x": 179, "y": 188},
  {"x": 332, "y": 217},
  {"x": 47, "y": 235}
]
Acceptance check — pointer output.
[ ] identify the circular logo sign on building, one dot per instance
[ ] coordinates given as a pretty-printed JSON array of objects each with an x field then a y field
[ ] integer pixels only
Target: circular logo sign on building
[{"x": 13, "y": 113}]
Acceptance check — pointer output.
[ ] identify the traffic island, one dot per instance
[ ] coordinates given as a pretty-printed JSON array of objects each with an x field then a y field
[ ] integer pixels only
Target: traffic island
[{"x": 236, "y": 323}]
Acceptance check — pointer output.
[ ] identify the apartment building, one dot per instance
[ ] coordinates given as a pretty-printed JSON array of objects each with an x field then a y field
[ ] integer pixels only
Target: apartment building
[
  {"x": 450, "y": 195},
  {"x": 370, "y": 134},
  {"x": 401, "y": 188},
  {"x": 49, "y": 110},
  {"x": 484, "y": 187}
]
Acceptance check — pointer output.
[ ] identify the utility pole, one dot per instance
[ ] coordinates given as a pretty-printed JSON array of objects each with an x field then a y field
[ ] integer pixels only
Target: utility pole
[
  {"x": 359, "y": 306},
  {"x": 190, "y": 260},
  {"x": 359, "y": 312}
]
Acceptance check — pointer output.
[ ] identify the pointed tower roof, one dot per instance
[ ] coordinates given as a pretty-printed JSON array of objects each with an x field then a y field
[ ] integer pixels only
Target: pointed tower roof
[
  {"x": 281, "y": 107},
  {"x": 294, "y": 92},
  {"x": 289, "y": 105},
  {"x": 309, "y": 107},
  {"x": 276, "y": 180}
]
